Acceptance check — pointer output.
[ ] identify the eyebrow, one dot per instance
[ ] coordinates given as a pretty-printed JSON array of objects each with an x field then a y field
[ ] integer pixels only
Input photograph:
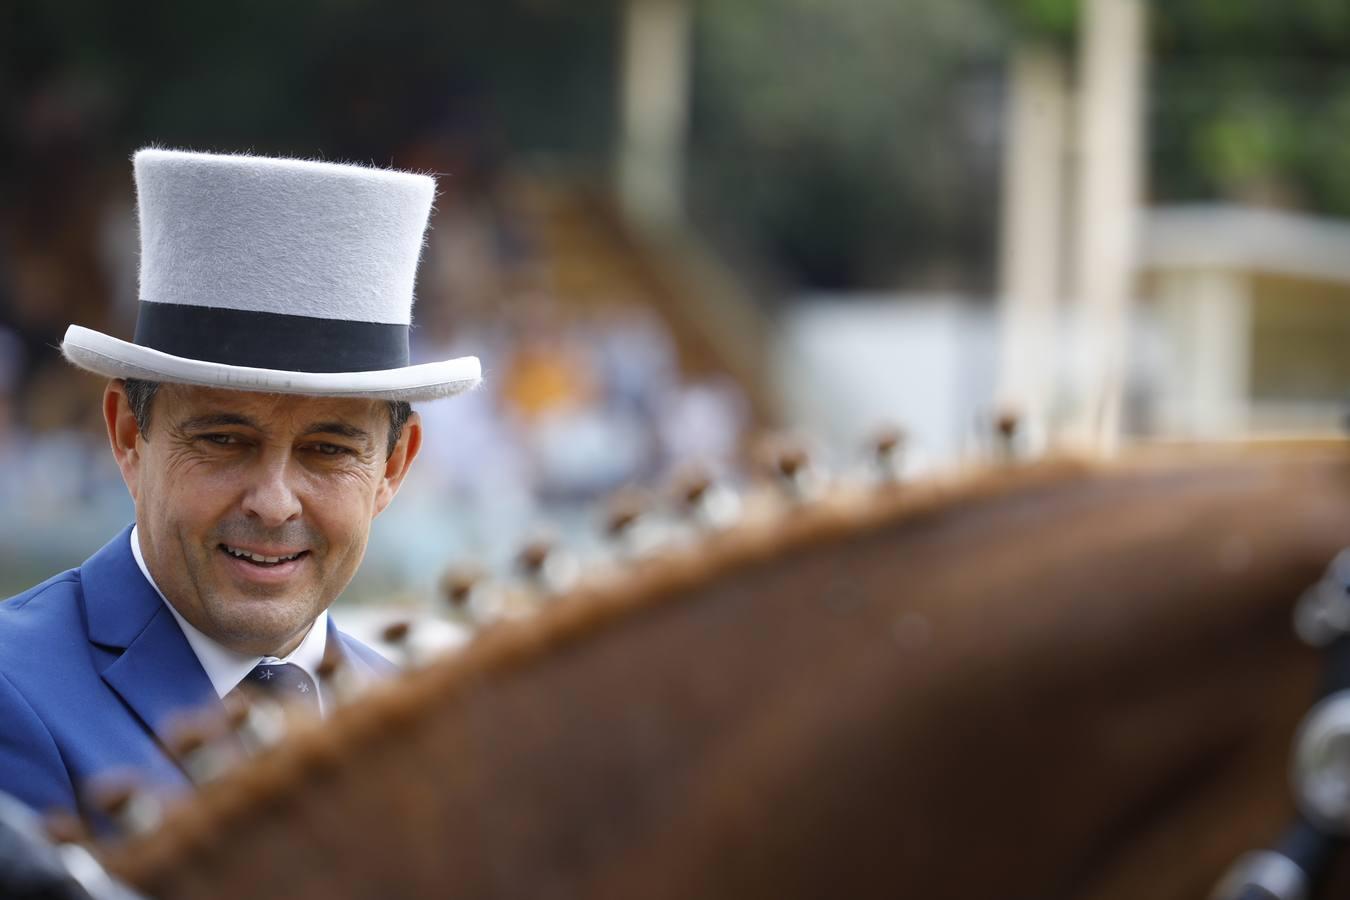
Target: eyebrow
[
  {"x": 216, "y": 420},
  {"x": 341, "y": 429}
]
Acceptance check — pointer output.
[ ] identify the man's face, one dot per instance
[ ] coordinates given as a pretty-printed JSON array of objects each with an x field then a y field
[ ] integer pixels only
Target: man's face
[{"x": 253, "y": 510}]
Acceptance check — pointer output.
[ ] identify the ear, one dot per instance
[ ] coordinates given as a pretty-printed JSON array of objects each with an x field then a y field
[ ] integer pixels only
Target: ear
[
  {"x": 123, "y": 434},
  {"x": 399, "y": 462}
]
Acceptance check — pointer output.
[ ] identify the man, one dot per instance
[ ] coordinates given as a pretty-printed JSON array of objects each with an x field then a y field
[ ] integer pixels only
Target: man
[{"x": 261, "y": 421}]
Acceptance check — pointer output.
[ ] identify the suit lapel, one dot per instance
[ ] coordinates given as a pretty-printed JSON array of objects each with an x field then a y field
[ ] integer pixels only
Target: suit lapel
[
  {"x": 157, "y": 675},
  {"x": 371, "y": 665}
]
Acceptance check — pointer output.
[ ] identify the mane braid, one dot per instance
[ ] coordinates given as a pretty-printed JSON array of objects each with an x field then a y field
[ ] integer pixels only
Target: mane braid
[{"x": 316, "y": 756}]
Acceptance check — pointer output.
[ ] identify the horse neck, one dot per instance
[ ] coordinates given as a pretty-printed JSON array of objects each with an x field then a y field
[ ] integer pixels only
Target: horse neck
[{"x": 1045, "y": 686}]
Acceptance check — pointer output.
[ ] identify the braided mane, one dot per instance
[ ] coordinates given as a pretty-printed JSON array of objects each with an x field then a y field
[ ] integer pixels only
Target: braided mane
[{"x": 1078, "y": 673}]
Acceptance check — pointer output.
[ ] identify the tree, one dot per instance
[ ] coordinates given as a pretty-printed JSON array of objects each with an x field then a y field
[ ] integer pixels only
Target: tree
[{"x": 856, "y": 141}]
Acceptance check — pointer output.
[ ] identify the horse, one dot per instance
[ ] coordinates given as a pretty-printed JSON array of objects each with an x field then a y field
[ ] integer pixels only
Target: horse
[{"x": 1054, "y": 679}]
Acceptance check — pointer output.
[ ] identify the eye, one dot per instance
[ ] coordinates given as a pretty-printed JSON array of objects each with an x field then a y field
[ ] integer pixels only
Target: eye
[
  {"x": 220, "y": 440},
  {"x": 331, "y": 449}
]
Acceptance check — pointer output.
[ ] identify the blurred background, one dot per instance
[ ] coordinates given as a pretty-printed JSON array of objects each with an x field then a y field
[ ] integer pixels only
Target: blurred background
[{"x": 667, "y": 226}]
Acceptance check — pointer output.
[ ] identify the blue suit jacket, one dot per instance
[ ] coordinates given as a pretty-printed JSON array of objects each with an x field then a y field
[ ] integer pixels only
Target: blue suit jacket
[{"x": 93, "y": 668}]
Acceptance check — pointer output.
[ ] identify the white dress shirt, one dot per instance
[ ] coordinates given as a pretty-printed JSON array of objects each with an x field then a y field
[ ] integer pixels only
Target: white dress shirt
[{"x": 225, "y": 667}]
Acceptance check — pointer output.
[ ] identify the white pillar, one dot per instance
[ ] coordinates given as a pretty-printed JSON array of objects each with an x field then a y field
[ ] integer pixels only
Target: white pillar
[
  {"x": 1110, "y": 147},
  {"x": 655, "y": 108},
  {"x": 1032, "y": 235},
  {"x": 1208, "y": 318}
]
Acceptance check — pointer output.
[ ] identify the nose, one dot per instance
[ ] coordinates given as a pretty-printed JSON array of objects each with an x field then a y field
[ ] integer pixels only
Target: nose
[{"x": 270, "y": 496}]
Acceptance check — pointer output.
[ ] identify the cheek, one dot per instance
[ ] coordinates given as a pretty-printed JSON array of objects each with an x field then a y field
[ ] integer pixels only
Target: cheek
[
  {"x": 342, "y": 510},
  {"x": 203, "y": 488},
  {"x": 192, "y": 497},
  {"x": 155, "y": 494}
]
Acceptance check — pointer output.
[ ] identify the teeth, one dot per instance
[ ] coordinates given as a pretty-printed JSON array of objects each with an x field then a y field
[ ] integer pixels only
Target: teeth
[{"x": 244, "y": 554}]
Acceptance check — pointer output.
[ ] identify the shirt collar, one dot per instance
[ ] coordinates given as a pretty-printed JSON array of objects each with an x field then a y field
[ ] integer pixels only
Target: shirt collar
[{"x": 225, "y": 667}]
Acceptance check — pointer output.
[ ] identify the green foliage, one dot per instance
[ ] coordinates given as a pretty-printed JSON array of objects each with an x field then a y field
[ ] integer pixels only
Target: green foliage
[
  {"x": 1237, "y": 147},
  {"x": 349, "y": 77},
  {"x": 840, "y": 133},
  {"x": 1250, "y": 102},
  {"x": 1252, "y": 28},
  {"x": 857, "y": 140},
  {"x": 849, "y": 138},
  {"x": 1043, "y": 20}
]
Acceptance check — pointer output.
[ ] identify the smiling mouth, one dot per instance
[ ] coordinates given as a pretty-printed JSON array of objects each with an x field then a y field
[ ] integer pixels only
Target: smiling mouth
[{"x": 258, "y": 559}]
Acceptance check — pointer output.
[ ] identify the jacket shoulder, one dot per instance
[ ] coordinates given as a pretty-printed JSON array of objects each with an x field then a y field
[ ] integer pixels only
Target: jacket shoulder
[
  {"x": 66, "y": 583},
  {"x": 44, "y": 613},
  {"x": 36, "y": 630}
]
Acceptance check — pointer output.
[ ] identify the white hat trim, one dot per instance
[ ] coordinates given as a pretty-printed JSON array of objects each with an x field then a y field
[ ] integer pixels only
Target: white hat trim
[{"x": 113, "y": 358}]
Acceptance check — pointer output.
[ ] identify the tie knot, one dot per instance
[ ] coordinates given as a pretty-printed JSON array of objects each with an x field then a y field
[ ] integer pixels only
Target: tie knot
[{"x": 285, "y": 682}]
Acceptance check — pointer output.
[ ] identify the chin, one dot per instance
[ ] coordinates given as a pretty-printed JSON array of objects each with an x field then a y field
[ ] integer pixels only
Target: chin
[{"x": 261, "y": 625}]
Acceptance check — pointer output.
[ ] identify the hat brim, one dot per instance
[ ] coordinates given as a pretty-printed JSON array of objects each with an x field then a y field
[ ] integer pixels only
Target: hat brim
[{"x": 113, "y": 358}]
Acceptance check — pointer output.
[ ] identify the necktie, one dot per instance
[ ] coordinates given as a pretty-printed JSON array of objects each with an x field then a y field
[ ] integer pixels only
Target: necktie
[{"x": 284, "y": 682}]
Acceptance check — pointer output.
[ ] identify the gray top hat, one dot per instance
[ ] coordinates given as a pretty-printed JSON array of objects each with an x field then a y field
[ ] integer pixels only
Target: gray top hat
[{"x": 276, "y": 275}]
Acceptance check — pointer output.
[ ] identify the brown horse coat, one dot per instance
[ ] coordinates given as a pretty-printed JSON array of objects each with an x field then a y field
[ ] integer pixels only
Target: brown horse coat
[{"x": 1059, "y": 681}]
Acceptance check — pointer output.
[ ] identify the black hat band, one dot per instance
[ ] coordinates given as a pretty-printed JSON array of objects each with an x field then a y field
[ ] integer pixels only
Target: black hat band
[{"x": 265, "y": 340}]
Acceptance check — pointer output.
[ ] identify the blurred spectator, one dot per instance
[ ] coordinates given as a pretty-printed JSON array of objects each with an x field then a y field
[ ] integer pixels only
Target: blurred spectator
[{"x": 703, "y": 422}]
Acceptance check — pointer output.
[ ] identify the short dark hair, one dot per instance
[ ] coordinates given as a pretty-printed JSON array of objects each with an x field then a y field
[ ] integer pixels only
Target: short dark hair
[{"x": 141, "y": 394}]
